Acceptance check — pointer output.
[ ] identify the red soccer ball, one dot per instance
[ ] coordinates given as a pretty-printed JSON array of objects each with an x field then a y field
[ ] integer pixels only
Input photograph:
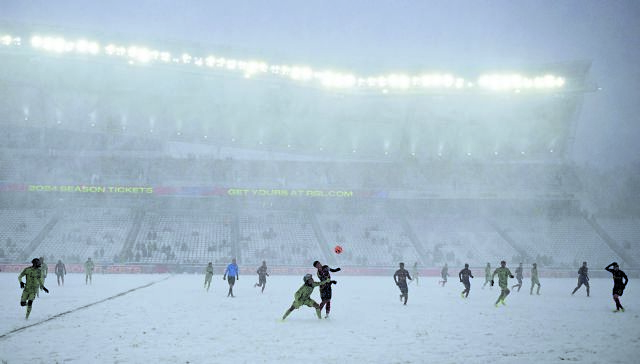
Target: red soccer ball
[{"x": 337, "y": 249}]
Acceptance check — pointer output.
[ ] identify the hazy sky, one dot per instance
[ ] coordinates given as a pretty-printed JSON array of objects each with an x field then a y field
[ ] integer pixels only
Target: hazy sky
[{"x": 387, "y": 36}]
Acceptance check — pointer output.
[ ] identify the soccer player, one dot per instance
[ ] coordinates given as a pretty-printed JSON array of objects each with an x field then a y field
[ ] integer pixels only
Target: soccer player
[
  {"x": 61, "y": 271},
  {"x": 303, "y": 295},
  {"x": 400, "y": 277},
  {"x": 583, "y": 278},
  {"x": 34, "y": 282},
  {"x": 519, "y": 277},
  {"x": 88, "y": 271},
  {"x": 262, "y": 276},
  {"x": 618, "y": 284},
  {"x": 534, "y": 279},
  {"x": 325, "y": 291},
  {"x": 503, "y": 281},
  {"x": 233, "y": 273},
  {"x": 464, "y": 278},
  {"x": 487, "y": 275},
  {"x": 444, "y": 273},
  {"x": 414, "y": 273},
  {"x": 208, "y": 274}
]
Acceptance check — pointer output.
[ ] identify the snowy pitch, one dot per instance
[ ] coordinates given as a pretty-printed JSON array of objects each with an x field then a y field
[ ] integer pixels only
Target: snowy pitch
[{"x": 176, "y": 321}]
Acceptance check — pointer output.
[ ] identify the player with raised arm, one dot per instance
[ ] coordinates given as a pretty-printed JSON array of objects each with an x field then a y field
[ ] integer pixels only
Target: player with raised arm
[
  {"x": 324, "y": 273},
  {"x": 620, "y": 281}
]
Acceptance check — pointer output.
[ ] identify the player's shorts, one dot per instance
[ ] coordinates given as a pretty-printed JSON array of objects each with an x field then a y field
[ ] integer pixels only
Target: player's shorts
[
  {"x": 231, "y": 280},
  {"x": 535, "y": 281},
  {"x": 28, "y": 295},
  {"x": 467, "y": 285},
  {"x": 308, "y": 302},
  {"x": 519, "y": 280},
  {"x": 262, "y": 279},
  {"x": 325, "y": 292},
  {"x": 403, "y": 287},
  {"x": 618, "y": 290},
  {"x": 207, "y": 278}
]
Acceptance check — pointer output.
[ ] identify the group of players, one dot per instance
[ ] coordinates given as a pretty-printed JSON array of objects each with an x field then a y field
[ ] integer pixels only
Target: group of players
[
  {"x": 36, "y": 276},
  {"x": 37, "y": 273},
  {"x": 619, "y": 280}
]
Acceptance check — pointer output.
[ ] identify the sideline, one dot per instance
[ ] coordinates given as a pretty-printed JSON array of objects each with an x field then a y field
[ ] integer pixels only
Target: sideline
[{"x": 7, "y": 334}]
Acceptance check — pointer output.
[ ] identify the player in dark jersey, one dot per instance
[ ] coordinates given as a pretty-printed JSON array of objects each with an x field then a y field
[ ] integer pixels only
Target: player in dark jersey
[
  {"x": 464, "y": 278},
  {"x": 519, "y": 277},
  {"x": 583, "y": 278},
  {"x": 618, "y": 284},
  {"x": 262, "y": 276},
  {"x": 324, "y": 273},
  {"x": 400, "y": 277}
]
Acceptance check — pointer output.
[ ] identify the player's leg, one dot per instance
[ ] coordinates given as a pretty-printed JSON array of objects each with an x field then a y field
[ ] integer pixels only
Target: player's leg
[
  {"x": 577, "y": 287},
  {"x": 294, "y": 305}
]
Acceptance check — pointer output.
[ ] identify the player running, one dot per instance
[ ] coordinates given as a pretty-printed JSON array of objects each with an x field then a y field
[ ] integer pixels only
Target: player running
[
  {"x": 618, "y": 284},
  {"x": 61, "y": 271},
  {"x": 519, "y": 277},
  {"x": 303, "y": 295},
  {"x": 444, "y": 273},
  {"x": 88, "y": 271},
  {"x": 487, "y": 275},
  {"x": 233, "y": 273},
  {"x": 208, "y": 274},
  {"x": 464, "y": 278},
  {"x": 400, "y": 277},
  {"x": 503, "y": 281},
  {"x": 33, "y": 284},
  {"x": 262, "y": 276},
  {"x": 583, "y": 278},
  {"x": 325, "y": 291},
  {"x": 534, "y": 279}
]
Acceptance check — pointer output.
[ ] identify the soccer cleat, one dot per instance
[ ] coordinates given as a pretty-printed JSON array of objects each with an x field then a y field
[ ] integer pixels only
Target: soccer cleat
[
  {"x": 496, "y": 305},
  {"x": 503, "y": 303},
  {"x": 326, "y": 316}
]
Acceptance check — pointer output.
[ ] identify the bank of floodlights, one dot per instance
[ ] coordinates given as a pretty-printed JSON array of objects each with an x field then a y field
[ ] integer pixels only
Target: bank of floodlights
[{"x": 136, "y": 54}]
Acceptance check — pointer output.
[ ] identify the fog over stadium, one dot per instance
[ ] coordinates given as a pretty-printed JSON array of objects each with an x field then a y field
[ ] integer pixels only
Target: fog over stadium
[{"x": 154, "y": 142}]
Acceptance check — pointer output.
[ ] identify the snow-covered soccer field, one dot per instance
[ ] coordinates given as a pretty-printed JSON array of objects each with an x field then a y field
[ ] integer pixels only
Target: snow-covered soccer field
[{"x": 176, "y": 321}]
